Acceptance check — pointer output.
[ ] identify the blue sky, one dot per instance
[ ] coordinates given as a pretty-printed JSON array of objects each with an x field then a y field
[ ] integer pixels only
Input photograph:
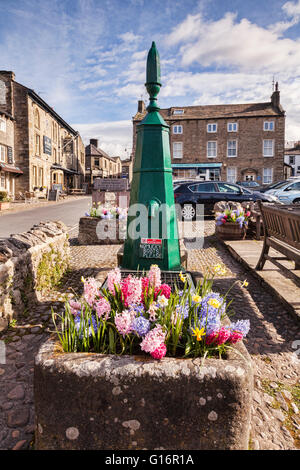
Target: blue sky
[{"x": 87, "y": 58}]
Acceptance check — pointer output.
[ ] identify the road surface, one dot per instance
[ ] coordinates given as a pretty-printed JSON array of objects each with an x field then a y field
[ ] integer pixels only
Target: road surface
[{"x": 68, "y": 212}]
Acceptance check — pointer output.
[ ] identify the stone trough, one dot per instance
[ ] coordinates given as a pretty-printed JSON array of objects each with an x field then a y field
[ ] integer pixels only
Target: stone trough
[
  {"x": 97, "y": 231},
  {"x": 89, "y": 401}
]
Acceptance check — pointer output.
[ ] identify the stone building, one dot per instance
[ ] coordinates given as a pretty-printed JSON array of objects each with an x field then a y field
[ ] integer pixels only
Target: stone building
[
  {"x": 100, "y": 165},
  {"x": 8, "y": 170},
  {"x": 231, "y": 142},
  {"x": 47, "y": 150},
  {"x": 127, "y": 167}
]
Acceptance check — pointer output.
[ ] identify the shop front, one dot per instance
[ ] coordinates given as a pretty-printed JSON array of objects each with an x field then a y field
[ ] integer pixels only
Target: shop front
[
  {"x": 8, "y": 173},
  {"x": 201, "y": 171}
]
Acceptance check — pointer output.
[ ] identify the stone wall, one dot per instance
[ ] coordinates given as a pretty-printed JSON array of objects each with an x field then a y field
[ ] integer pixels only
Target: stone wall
[{"x": 30, "y": 264}]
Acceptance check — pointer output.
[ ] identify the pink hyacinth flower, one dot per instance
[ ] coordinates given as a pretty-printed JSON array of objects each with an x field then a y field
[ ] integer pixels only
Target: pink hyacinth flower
[
  {"x": 153, "y": 339},
  {"x": 102, "y": 308},
  {"x": 159, "y": 352},
  {"x": 113, "y": 278},
  {"x": 90, "y": 291},
  {"x": 75, "y": 307},
  {"x": 131, "y": 289},
  {"x": 211, "y": 338},
  {"x": 235, "y": 337},
  {"x": 223, "y": 335},
  {"x": 164, "y": 290},
  {"x": 123, "y": 322},
  {"x": 154, "y": 276}
]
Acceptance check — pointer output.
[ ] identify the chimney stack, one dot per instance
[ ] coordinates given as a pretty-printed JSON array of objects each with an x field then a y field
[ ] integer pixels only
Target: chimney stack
[
  {"x": 94, "y": 142},
  {"x": 8, "y": 74},
  {"x": 141, "y": 106},
  {"x": 275, "y": 98}
]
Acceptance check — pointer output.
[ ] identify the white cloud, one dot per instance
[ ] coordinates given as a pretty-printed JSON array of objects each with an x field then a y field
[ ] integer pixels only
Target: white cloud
[
  {"x": 115, "y": 137},
  {"x": 292, "y": 8},
  {"x": 230, "y": 43},
  {"x": 129, "y": 37}
]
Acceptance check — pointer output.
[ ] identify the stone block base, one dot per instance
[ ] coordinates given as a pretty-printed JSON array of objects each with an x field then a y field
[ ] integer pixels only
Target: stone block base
[
  {"x": 97, "y": 231},
  {"x": 92, "y": 401}
]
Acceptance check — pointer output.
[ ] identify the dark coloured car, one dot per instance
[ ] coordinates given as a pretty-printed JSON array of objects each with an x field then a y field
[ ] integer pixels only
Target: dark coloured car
[{"x": 188, "y": 195}]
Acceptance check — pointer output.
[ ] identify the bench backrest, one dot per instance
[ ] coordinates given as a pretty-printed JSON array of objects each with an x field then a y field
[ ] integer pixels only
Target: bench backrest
[{"x": 281, "y": 223}]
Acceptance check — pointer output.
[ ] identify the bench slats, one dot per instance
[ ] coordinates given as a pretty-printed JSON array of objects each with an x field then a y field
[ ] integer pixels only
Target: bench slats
[{"x": 281, "y": 232}]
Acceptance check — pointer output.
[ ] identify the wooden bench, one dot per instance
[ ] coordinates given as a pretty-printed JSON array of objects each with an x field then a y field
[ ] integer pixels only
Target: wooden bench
[
  {"x": 281, "y": 226},
  {"x": 76, "y": 191}
]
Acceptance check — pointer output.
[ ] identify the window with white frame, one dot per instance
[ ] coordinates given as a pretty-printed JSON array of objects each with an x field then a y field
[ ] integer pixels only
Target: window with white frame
[
  {"x": 267, "y": 175},
  {"x": 232, "y": 126},
  {"x": 177, "y": 129},
  {"x": 2, "y": 153},
  {"x": 292, "y": 159},
  {"x": 211, "y": 148},
  {"x": 212, "y": 127},
  {"x": 268, "y": 125},
  {"x": 231, "y": 148},
  {"x": 177, "y": 149},
  {"x": 2, "y": 180},
  {"x": 231, "y": 174},
  {"x": 268, "y": 148},
  {"x": 2, "y": 125},
  {"x": 178, "y": 111}
]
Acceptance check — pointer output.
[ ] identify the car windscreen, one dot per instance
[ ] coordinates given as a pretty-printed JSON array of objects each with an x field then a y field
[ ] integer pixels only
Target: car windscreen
[{"x": 281, "y": 185}]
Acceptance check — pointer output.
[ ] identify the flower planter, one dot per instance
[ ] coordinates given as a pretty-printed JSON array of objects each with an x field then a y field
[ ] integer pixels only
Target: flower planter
[
  {"x": 91, "y": 401},
  {"x": 4, "y": 206},
  {"x": 97, "y": 231},
  {"x": 231, "y": 231}
]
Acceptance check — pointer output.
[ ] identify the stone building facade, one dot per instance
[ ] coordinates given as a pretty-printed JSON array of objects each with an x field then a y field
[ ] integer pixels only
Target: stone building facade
[
  {"x": 232, "y": 142},
  {"x": 47, "y": 150},
  {"x": 127, "y": 167},
  {"x": 292, "y": 158},
  {"x": 100, "y": 165},
  {"x": 8, "y": 170}
]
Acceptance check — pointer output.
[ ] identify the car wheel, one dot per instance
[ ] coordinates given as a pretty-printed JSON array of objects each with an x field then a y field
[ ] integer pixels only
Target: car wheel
[
  {"x": 296, "y": 201},
  {"x": 188, "y": 212}
]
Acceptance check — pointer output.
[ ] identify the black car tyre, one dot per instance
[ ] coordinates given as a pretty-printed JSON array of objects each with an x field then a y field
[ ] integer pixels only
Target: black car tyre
[
  {"x": 188, "y": 212},
  {"x": 296, "y": 201}
]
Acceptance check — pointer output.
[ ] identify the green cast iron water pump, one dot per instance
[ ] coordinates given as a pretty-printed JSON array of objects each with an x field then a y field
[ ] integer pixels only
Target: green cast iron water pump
[{"x": 152, "y": 231}]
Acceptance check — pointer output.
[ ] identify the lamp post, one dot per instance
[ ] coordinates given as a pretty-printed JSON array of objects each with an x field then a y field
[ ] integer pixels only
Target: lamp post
[{"x": 152, "y": 232}]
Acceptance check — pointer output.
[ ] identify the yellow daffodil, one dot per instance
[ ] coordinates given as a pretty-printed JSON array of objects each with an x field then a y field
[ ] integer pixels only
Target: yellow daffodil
[
  {"x": 218, "y": 269},
  {"x": 198, "y": 333},
  {"x": 214, "y": 303},
  {"x": 196, "y": 298},
  {"x": 82, "y": 279},
  {"x": 182, "y": 277},
  {"x": 245, "y": 283}
]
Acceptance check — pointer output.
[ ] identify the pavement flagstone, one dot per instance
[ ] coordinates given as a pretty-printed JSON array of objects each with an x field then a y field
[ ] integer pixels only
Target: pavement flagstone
[{"x": 275, "y": 422}]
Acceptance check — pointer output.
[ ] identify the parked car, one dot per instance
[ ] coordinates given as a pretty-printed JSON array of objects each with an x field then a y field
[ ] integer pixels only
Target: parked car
[
  {"x": 210, "y": 192},
  {"x": 287, "y": 192},
  {"x": 248, "y": 184}
]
